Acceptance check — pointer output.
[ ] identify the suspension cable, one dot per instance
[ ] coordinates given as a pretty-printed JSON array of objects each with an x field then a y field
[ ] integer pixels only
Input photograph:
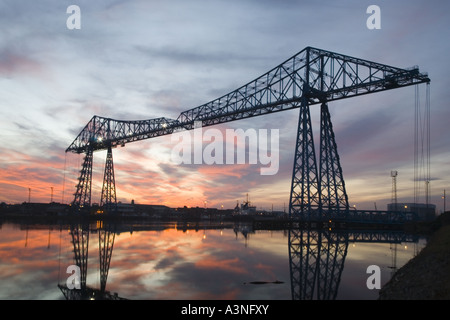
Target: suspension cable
[{"x": 422, "y": 145}]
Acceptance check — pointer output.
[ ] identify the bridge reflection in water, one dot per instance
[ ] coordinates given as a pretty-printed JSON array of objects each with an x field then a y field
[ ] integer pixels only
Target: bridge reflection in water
[
  {"x": 316, "y": 260},
  {"x": 80, "y": 241},
  {"x": 316, "y": 256}
]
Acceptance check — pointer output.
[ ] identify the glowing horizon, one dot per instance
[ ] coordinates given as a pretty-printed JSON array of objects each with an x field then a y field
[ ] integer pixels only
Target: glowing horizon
[{"x": 146, "y": 60}]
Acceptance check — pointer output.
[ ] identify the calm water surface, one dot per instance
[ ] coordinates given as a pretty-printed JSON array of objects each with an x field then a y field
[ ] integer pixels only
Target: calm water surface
[{"x": 191, "y": 261}]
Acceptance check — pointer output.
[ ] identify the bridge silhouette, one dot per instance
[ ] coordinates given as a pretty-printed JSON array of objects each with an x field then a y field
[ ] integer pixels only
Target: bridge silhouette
[
  {"x": 316, "y": 257},
  {"x": 312, "y": 76}
]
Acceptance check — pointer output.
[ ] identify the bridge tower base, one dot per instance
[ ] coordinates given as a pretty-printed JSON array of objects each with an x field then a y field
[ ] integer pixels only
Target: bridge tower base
[
  {"x": 317, "y": 196},
  {"x": 82, "y": 196},
  {"x": 109, "y": 200}
]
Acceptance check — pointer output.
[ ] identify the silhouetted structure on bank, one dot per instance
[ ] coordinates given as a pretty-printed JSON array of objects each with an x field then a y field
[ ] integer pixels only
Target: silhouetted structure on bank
[{"x": 312, "y": 76}]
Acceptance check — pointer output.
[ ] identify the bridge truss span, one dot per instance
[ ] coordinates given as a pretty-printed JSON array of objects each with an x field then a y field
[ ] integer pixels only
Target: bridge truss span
[{"x": 312, "y": 76}]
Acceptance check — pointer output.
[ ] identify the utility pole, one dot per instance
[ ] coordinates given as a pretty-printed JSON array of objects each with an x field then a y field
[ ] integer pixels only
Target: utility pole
[
  {"x": 394, "y": 188},
  {"x": 29, "y": 195},
  {"x": 444, "y": 199}
]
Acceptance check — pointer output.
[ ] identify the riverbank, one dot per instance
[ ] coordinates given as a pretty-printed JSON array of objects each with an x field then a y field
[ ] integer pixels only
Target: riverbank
[{"x": 426, "y": 276}]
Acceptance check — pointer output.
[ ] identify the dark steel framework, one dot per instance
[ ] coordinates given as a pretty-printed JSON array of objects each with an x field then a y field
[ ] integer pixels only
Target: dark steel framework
[
  {"x": 80, "y": 242},
  {"x": 84, "y": 187},
  {"x": 108, "y": 199},
  {"x": 312, "y": 76},
  {"x": 316, "y": 261},
  {"x": 317, "y": 257}
]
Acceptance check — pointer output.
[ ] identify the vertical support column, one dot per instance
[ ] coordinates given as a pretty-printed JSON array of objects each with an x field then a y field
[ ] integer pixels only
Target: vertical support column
[
  {"x": 304, "y": 198},
  {"x": 83, "y": 194},
  {"x": 80, "y": 241},
  {"x": 316, "y": 260},
  {"x": 105, "y": 247},
  {"x": 304, "y": 253},
  {"x": 333, "y": 251},
  {"x": 108, "y": 200},
  {"x": 333, "y": 196}
]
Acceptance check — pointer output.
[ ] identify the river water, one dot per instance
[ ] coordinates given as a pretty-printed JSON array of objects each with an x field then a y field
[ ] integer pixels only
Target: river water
[{"x": 195, "y": 261}]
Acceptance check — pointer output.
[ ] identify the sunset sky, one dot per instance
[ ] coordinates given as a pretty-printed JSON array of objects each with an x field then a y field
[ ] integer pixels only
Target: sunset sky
[{"x": 134, "y": 60}]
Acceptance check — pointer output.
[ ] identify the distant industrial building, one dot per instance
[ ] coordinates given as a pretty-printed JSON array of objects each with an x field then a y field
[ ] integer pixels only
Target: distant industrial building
[
  {"x": 422, "y": 210},
  {"x": 146, "y": 210}
]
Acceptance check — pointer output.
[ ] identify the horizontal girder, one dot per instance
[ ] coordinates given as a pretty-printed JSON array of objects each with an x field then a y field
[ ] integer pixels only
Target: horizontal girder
[
  {"x": 316, "y": 74},
  {"x": 100, "y": 133}
]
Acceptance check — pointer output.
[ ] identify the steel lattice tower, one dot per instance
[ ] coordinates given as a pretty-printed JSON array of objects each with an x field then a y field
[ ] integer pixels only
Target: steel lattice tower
[
  {"x": 313, "y": 198},
  {"x": 305, "y": 199},
  {"x": 105, "y": 244},
  {"x": 80, "y": 242},
  {"x": 109, "y": 200},
  {"x": 316, "y": 261},
  {"x": 83, "y": 194},
  {"x": 333, "y": 196}
]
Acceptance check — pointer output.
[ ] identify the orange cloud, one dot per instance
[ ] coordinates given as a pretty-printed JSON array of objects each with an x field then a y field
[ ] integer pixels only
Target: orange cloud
[
  {"x": 37, "y": 174},
  {"x": 12, "y": 64},
  {"x": 236, "y": 170},
  {"x": 230, "y": 265}
]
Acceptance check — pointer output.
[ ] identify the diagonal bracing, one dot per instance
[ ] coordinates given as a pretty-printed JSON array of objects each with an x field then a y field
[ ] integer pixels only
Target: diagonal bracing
[
  {"x": 317, "y": 74},
  {"x": 312, "y": 76}
]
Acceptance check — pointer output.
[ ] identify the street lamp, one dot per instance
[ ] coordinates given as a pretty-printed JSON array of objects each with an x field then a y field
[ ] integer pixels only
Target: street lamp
[{"x": 443, "y": 197}]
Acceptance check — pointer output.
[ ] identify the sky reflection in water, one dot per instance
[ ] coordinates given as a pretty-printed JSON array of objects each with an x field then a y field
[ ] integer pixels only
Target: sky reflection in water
[{"x": 173, "y": 263}]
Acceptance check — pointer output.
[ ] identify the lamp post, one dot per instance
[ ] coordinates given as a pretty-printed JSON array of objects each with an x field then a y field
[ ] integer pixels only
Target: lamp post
[{"x": 443, "y": 197}]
